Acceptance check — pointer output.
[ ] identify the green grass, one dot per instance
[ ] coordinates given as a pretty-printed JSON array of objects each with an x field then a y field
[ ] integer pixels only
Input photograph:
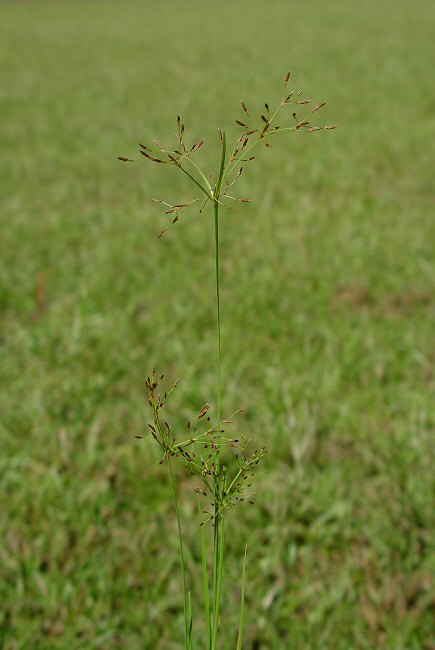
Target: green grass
[{"x": 327, "y": 316}]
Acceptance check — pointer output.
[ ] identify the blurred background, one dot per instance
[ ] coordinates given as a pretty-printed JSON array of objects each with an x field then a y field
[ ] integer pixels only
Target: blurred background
[{"x": 327, "y": 307}]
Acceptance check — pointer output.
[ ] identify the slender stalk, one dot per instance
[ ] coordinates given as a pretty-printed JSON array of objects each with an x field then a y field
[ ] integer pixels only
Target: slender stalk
[
  {"x": 219, "y": 563},
  {"x": 205, "y": 579},
  {"x": 187, "y": 630},
  {"x": 217, "y": 487},
  {"x": 219, "y": 573},
  {"x": 218, "y": 315},
  {"x": 242, "y": 605},
  {"x": 216, "y": 556}
]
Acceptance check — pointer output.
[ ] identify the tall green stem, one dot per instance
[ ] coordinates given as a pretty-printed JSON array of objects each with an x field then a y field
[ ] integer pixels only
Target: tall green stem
[
  {"x": 218, "y": 315},
  {"x": 219, "y": 573},
  {"x": 187, "y": 630},
  {"x": 218, "y": 522}
]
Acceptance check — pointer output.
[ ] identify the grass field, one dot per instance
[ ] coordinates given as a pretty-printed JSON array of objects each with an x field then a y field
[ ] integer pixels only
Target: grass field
[{"x": 328, "y": 321}]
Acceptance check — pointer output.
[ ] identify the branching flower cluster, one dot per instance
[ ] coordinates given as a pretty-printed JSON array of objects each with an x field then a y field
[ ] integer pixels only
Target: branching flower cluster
[
  {"x": 198, "y": 446},
  {"x": 254, "y": 131}
]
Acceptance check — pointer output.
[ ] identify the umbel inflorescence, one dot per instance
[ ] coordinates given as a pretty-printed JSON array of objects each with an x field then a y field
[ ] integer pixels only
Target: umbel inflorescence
[{"x": 255, "y": 130}]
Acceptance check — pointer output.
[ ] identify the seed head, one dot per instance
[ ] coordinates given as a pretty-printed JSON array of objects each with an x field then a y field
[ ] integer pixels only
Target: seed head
[
  {"x": 244, "y": 107},
  {"x": 319, "y": 106}
]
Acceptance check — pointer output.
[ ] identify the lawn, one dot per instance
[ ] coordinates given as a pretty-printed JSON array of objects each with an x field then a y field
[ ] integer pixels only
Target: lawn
[{"x": 327, "y": 307}]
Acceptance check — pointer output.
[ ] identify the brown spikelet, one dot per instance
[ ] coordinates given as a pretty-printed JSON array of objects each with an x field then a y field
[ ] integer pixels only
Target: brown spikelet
[
  {"x": 329, "y": 127},
  {"x": 197, "y": 146},
  {"x": 244, "y": 107},
  {"x": 221, "y": 136},
  {"x": 241, "y": 124},
  {"x": 125, "y": 159},
  {"x": 204, "y": 410},
  {"x": 286, "y": 78},
  {"x": 319, "y": 106},
  {"x": 264, "y": 118},
  {"x": 304, "y": 101},
  {"x": 147, "y": 155}
]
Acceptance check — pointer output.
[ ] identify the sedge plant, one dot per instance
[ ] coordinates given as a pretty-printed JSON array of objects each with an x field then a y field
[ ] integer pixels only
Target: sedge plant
[{"x": 200, "y": 446}]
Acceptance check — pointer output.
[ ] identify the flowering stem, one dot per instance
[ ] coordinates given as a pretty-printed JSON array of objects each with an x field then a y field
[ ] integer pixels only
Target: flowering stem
[{"x": 217, "y": 540}]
